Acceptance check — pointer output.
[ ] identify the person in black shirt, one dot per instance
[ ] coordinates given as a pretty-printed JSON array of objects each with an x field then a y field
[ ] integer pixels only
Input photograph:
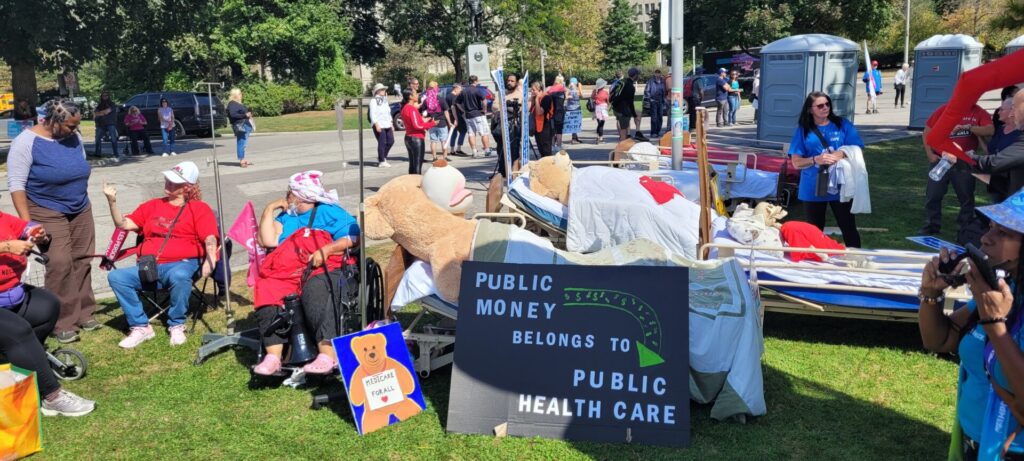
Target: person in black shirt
[
  {"x": 542, "y": 111},
  {"x": 106, "y": 124},
  {"x": 458, "y": 136},
  {"x": 623, "y": 105},
  {"x": 513, "y": 107},
  {"x": 475, "y": 106}
]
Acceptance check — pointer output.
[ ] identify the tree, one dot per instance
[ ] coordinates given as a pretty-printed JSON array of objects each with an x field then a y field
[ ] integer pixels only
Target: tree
[
  {"x": 1011, "y": 17},
  {"x": 924, "y": 22},
  {"x": 291, "y": 37},
  {"x": 365, "y": 46},
  {"x": 623, "y": 42},
  {"x": 48, "y": 34},
  {"x": 442, "y": 27}
]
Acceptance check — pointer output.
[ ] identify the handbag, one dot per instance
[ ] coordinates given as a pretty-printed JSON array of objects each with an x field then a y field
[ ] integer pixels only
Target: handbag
[
  {"x": 821, "y": 178},
  {"x": 148, "y": 272},
  {"x": 20, "y": 427}
]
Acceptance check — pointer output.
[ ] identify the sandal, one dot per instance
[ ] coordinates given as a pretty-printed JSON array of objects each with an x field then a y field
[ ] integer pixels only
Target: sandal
[{"x": 322, "y": 365}]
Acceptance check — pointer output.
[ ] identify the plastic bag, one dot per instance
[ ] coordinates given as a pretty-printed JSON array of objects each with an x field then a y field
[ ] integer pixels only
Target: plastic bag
[{"x": 20, "y": 426}]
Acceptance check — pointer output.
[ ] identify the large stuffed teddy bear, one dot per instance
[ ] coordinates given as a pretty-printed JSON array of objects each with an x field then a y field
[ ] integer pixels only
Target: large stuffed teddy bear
[
  {"x": 549, "y": 176},
  {"x": 371, "y": 352}
]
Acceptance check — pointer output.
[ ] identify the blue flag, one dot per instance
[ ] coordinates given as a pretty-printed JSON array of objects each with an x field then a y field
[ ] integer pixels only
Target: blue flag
[{"x": 524, "y": 158}]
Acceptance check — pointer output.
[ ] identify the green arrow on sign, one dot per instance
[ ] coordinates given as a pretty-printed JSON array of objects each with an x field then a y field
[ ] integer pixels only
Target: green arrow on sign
[{"x": 647, "y": 357}]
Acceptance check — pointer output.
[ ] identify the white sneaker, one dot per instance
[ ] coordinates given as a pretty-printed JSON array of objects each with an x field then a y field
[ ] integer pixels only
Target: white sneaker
[
  {"x": 476, "y": 154},
  {"x": 177, "y": 335},
  {"x": 67, "y": 404},
  {"x": 384, "y": 164},
  {"x": 174, "y": 153},
  {"x": 137, "y": 336},
  {"x": 164, "y": 155}
]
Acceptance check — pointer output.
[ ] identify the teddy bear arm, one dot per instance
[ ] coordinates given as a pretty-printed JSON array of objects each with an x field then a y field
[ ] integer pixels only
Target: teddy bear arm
[{"x": 356, "y": 391}]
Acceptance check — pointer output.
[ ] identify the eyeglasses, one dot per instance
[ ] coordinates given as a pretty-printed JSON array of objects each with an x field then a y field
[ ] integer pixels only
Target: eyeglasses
[{"x": 822, "y": 105}]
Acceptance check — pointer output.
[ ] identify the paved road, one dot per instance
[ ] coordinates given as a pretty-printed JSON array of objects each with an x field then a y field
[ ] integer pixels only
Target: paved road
[{"x": 276, "y": 156}]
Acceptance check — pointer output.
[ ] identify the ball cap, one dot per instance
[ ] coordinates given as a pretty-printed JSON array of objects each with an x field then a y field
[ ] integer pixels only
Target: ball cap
[
  {"x": 184, "y": 172},
  {"x": 1009, "y": 213},
  {"x": 722, "y": 70}
]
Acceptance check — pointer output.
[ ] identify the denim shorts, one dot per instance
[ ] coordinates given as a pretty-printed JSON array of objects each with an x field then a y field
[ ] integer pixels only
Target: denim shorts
[{"x": 438, "y": 134}]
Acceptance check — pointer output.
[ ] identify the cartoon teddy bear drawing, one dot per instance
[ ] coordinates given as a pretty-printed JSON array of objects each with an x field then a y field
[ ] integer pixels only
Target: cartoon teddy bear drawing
[{"x": 389, "y": 382}]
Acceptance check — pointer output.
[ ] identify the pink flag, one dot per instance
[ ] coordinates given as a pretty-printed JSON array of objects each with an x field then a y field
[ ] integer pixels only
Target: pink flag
[{"x": 244, "y": 231}]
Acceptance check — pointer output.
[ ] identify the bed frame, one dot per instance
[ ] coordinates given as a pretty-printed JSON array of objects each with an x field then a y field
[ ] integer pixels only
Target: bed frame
[{"x": 775, "y": 300}]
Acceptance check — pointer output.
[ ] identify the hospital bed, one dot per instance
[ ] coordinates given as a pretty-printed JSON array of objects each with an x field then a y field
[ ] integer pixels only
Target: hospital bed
[{"x": 865, "y": 284}]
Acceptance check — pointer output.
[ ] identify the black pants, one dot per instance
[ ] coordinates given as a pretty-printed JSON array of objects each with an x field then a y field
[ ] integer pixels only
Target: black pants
[
  {"x": 543, "y": 139},
  {"x": 657, "y": 119},
  {"x": 318, "y": 310},
  {"x": 385, "y": 139},
  {"x": 901, "y": 91},
  {"x": 600, "y": 128},
  {"x": 963, "y": 184},
  {"x": 414, "y": 146},
  {"x": 135, "y": 136},
  {"x": 841, "y": 211},
  {"x": 23, "y": 331}
]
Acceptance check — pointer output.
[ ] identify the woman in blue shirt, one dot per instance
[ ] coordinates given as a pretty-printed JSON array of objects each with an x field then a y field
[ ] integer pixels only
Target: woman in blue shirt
[
  {"x": 986, "y": 335},
  {"x": 815, "y": 146}
]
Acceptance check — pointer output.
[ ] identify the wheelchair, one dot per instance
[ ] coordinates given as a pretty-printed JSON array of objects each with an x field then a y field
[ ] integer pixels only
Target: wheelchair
[{"x": 301, "y": 347}]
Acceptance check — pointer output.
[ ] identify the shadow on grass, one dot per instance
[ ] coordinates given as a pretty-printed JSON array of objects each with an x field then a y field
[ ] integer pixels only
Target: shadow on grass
[{"x": 842, "y": 331}]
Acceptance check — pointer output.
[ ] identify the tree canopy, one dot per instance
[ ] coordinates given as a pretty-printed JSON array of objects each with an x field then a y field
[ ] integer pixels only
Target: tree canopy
[{"x": 623, "y": 42}]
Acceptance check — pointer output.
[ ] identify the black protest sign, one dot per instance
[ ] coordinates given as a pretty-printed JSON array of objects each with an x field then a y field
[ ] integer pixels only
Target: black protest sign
[{"x": 596, "y": 353}]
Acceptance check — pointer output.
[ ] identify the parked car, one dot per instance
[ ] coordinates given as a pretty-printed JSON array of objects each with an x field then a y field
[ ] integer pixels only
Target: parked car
[{"x": 191, "y": 112}]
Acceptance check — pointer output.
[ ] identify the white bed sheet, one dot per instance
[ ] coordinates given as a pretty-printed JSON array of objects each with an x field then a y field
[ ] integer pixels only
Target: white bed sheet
[
  {"x": 522, "y": 187},
  {"x": 756, "y": 184},
  {"x": 608, "y": 206}
]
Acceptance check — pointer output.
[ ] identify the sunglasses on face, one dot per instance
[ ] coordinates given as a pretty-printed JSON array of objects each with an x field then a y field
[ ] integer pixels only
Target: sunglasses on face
[{"x": 822, "y": 105}]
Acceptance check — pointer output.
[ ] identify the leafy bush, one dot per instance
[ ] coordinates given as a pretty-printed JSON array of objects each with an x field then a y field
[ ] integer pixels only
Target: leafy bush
[
  {"x": 269, "y": 99},
  {"x": 178, "y": 81}
]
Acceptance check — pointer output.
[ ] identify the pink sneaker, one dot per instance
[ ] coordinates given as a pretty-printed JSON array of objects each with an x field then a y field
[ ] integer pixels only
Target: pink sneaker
[
  {"x": 177, "y": 335},
  {"x": 138, "y": 335},
  {"x": 271, "y": 364},
  {"x": 323, "y": 365}
]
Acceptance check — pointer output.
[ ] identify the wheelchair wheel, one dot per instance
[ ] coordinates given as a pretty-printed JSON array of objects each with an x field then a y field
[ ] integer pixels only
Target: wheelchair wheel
[{"x": 68, "y": 364}]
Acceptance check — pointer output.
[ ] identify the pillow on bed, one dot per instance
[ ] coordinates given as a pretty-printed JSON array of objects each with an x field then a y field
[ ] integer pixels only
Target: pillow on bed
[
  {"x": 749, "y": 228},
  {"x": 806, "y": 235}
]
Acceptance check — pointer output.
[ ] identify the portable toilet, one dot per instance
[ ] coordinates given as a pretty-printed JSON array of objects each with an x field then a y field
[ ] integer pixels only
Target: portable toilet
[
  {"x": 938, "y": 63},
  {"x": 1014, "y": 45},
  {"x": 794, "y": 66}
]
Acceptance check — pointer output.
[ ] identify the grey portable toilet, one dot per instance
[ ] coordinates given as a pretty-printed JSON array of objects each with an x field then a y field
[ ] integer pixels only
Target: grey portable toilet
[
  {"x": 794, "y": 66},
  {"x": 938, "y": 63},
  {"x": 1014, "y": 45}
]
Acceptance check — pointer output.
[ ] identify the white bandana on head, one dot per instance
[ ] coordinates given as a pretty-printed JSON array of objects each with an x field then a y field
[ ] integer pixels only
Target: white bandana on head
[{"x": 307, "y": 187}]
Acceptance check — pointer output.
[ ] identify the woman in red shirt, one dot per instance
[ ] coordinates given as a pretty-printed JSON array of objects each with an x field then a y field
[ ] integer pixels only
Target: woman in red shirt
[
  {"x": 180, "y": 230},
  {"x": 415, "y": 129},
  {"x": 28, "y": 315}
]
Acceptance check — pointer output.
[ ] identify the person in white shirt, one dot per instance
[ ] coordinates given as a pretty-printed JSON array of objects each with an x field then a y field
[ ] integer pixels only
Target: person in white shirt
[
  {"x": 902, "y": 76},
  {"x": 380, "y": 117}
]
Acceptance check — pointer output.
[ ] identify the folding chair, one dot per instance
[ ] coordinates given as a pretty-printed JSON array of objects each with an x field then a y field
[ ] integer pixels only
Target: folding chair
[{"x": 159, "y": 298}]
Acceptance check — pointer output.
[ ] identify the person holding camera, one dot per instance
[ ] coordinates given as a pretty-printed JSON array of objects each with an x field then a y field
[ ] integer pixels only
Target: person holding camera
[
  {"x": 985, "y": 334},
  {"x": 28, "y": 315},
  {"x": 179, "y": 234},
  {"x": 309, "y": 234}
]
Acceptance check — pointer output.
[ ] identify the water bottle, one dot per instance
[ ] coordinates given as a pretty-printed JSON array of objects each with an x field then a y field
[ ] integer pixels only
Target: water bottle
[{"x": 939, "y": 170}]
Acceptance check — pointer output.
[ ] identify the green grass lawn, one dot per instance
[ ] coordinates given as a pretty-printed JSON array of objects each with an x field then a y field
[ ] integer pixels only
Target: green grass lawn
[{"x": 835, "y": 388}]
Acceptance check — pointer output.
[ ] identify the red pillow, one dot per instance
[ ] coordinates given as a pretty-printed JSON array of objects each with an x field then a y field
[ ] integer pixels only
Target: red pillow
[{"x": 799, "y": 234}]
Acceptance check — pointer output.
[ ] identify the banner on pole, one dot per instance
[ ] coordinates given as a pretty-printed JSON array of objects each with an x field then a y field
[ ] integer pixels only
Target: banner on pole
[
  {"x": 499, "y": 81},
  {"x": 524, "y": 158},
  {"x": 870, "y": 73}
]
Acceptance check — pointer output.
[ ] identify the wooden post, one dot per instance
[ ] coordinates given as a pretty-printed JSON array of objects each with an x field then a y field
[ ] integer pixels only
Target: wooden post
[{"x": 704, "y": 177}]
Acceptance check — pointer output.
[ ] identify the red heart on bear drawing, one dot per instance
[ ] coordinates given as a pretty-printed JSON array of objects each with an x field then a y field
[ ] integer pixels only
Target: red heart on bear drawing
[{"x": 384, "y": 399}]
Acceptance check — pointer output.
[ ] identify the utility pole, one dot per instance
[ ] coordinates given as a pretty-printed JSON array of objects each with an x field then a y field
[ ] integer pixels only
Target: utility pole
[
  {"x": 906, "y": 36},
  {"x": 678, "y": 51}
]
